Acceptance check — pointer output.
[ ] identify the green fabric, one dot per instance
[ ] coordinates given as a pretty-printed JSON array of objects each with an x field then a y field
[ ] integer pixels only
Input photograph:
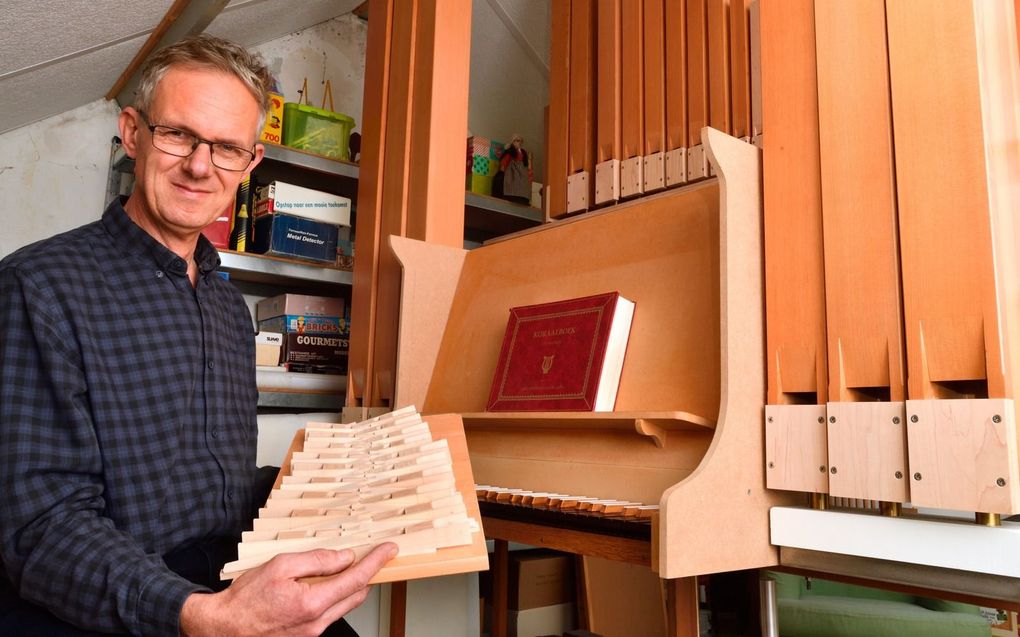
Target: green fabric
[
  {"x": 851, "y": 617},
  {"x": 833, "y": 609}
]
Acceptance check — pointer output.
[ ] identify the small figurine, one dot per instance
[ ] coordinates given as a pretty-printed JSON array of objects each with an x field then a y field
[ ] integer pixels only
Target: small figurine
[{"x": 513, "y": 182}]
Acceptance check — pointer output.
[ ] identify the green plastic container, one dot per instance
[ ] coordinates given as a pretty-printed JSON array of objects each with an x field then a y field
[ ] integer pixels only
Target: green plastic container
[{"x": 316, "y": 130}]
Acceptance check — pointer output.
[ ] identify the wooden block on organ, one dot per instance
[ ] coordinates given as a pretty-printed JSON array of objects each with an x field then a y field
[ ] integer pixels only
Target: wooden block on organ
[
  {"x": 632, "y": 178},
  {"x": 697, "y": 163},
  {"x": 607, "y": 182},
  {"x": 963, "y": 455},
  {"x": 795, "y": 448},
  {"x": 676, "y": 167},
  {"x": 654, "y": 172},
  {"x": 867, "y": 443},
  {"x": 577, "y": 192}
]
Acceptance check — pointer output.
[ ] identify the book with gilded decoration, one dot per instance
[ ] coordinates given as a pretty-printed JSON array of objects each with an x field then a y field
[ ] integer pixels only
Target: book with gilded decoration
[{"x": 563, "y": 356}]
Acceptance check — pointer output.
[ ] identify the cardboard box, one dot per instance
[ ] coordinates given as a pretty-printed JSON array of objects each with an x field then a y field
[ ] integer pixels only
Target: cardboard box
[
  {"x": 544, "y": 620},
  {"x": 296, "y": 237},
  {"x": 540, "y": 578},
  {"x": 279, "y": 196},
  {"x": 272, "y": 131},
  {"x": 305, "y": 324},
  {"x": 320, "y": 354},
  {"x": 298, "y": 304},
  {"x": 268, "y": 346}
]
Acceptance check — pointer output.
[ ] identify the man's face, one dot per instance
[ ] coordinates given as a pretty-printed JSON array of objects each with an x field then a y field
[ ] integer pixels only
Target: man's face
[{"x": 175, "y": 197}]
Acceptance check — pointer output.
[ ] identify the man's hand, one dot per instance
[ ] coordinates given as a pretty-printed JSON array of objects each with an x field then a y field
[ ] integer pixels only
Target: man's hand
[{"x": 271, "y": 599}]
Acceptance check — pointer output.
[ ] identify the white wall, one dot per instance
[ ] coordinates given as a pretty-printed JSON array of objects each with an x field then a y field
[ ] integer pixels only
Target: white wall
[{"x": 53, "y": 174}]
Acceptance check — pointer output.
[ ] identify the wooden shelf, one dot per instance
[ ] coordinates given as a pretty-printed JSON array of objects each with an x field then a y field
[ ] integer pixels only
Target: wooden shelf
[
  {"x": 317, "y": 400},
  {"x": 654, "y": 424},
  {"x": 260, "y": 268}
]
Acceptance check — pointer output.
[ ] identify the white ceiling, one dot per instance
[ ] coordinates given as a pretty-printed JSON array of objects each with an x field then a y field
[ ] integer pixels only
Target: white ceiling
[{"x": 56, "y": 55}]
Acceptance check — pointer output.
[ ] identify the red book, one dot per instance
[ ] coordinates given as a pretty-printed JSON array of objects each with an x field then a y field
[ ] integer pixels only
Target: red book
[{"x": 563, "y": 356}]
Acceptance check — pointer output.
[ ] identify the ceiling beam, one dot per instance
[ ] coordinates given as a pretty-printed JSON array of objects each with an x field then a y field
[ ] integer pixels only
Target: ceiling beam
[{"x": 183, "y": 18}]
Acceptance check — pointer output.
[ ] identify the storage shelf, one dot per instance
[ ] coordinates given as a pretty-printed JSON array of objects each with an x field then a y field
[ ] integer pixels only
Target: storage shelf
[
  {"x": 259, "y": 268},
  {"x": 654, "y": 424},
  {"x": 319, "y": 401}
]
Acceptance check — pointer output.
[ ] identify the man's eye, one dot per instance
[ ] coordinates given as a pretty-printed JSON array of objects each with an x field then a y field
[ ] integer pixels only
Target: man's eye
[
  {"x": 230, "y": 150},
  {"x": 173, "y": 133}
]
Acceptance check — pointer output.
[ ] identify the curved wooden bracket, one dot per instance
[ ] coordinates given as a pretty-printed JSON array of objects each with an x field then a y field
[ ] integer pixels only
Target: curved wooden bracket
[{"x": 648, "y": 428}]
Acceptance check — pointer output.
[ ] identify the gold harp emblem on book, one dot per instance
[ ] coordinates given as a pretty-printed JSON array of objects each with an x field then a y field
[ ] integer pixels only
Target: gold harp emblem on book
[{"x": 547, "y": 362}]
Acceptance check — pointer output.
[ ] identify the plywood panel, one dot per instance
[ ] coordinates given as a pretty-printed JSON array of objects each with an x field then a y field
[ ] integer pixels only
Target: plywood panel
[
  {"x": 862, "y": 292},
  {"x": 794, "y": 275},
  {"x": 559, "y": 110},
  {"x": 942, "y": 185}
]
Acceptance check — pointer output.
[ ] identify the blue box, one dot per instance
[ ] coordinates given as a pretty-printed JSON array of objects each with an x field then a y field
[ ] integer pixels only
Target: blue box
[{"x": 289, "y": 236}]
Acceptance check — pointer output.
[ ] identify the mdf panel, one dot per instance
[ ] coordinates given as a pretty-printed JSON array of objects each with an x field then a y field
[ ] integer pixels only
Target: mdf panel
[
  {"x": 675, "y": 16},
  {"x": 719, "y": 65},
  {"x": 632, "y": 114},
  {"x": 559, "y": 109},
  {"x": 862, "y": 291},
  {"x": 794, "y": 279},
  {"x": 655, "y": 96},
  {"x": 946, "y": 195},
  {"x": 581, "y": 145}
]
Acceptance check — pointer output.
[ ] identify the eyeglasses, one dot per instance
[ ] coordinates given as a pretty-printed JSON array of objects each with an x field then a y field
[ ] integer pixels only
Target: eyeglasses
[{"x": 179, "y": 143}]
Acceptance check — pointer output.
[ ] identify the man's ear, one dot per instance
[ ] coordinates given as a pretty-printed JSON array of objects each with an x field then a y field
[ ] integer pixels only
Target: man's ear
[
  {"x": 127, "y": 122},
  {"x": 260, "y": 152}
]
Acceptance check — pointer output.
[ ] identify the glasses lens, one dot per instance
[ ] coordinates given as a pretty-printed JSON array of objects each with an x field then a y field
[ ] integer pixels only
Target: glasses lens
[
  {"x": 231, "y": 157},
  {"x": 173, "y": 141}
]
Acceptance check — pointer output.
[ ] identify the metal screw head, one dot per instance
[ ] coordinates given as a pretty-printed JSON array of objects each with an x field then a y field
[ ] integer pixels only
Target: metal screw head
[
  {"x": 917, "y": 476},
  {"x": 770, "y": 418},
  {"x": 822, "y": 468},
  {"x": 820, "y": 420},
  {"x": 996, "y": 418},
  {"x": 832, "y": 419},
  {"x": 913, "y": 419},
  {"x": 1001, "y": 482},
  {"x": 771, "y": 465},
  {"x": 832, "y": 470},
  {"x": 895, "y": 420},
  {"x": 899, "y": 475}
]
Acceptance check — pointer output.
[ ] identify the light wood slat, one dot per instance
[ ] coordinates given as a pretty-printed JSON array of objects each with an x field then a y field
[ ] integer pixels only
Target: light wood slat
[
  {"x": 632, "y": 116},
  {"x": 862, "y": 278},
  {"x": 676, "y": 74},
  {"x": 945, "y": 215},
  {"x": 794, "y": 279},
  {"x": 370, "y": 194},
  {"x": 609, "y": 71},
  {"x": 697, "y": 70},
  {"x": 580, "y": 156},
  {"x": 633, "y": 123},
  {"x": 608, "y": 106},
  {"x": 655, "y": 79},
  {"x": 719, "y": 65},
  {"x": 740, "y": 67},
  {"x": 558, "y": 129}
]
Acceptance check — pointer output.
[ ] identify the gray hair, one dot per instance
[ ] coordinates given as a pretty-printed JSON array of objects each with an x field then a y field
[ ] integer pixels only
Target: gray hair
[{"x": 205, "y": 51}]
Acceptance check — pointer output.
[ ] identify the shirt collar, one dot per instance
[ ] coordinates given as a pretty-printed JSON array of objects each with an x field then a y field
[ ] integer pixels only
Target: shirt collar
[{"x": 129, "y": 237}]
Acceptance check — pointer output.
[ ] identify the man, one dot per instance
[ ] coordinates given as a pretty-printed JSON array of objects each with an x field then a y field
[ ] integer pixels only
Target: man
[{"x": 127, "y": 393}]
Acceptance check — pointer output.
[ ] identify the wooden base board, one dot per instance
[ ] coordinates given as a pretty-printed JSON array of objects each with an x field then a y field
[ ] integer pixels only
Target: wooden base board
[
  {"x": 676, "y": 167},
  {"x": 577, "y": 192},
  {"x": 963, "y": 455},
  {"x": 867, "y": 445},
  {"x": 607, "y": 182},
  {"x": 632, "y": 180},
  {"x": 795, "y": 448}
]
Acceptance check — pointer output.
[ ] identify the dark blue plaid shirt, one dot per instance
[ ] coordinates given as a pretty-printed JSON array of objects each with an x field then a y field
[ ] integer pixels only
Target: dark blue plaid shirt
[{"x": 127, "y": 421}]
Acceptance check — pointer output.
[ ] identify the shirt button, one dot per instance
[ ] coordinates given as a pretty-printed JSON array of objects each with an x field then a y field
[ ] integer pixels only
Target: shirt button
[
  {"x": 230, "y": 494},
  {"x": 216, "y": 432},
  {"x": 159, "y": 274},
  {"x": 211, "y": 364}
]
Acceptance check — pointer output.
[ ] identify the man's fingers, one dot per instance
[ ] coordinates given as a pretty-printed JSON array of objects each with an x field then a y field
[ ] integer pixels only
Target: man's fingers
[
  {"x": 356, "y": 577},
  {"x": 316, "y": 563}
]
